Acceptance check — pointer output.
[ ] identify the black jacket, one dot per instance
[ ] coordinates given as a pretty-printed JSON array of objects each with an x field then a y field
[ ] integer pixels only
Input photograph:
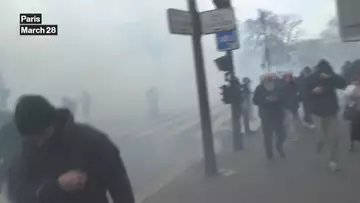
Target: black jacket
[
  {"x": 303, "y": 83},
  {"x": 269, "y": 109},
  {"x": 326, "y": 103},
  {"x": 33, "y": 177},
  {"x": 290, "y": 93}
]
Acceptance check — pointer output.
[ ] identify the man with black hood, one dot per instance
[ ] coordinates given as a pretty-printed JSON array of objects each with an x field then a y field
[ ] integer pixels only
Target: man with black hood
[
  {"x": 63, "y": 161},
  {"x": 324, "y": 102},
  {"x": 268, "y": 98}
]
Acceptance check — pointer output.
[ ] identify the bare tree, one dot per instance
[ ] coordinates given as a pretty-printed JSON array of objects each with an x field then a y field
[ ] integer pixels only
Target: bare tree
[
  {"x": 283, "y": 29},
  {"x": 275, "y": 34}
]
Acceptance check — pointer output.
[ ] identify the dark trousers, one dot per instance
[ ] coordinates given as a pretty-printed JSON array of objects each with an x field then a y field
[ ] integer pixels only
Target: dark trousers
[
  {"x": 355, "y": 129},
  {"x": 246, "y": 119},
  {"x": 307, "y": 113},
  {"x": 273, "y": 128},
  {"x": 247, "y": 122}
]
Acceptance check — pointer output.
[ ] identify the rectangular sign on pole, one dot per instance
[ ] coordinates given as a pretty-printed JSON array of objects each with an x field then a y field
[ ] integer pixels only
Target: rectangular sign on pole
[
  {"x": 179, "y": 22},
  {"x": 218, "y": 20},
  {"x": 349, "y": 20},
  {"x": 227, "y": 40}
]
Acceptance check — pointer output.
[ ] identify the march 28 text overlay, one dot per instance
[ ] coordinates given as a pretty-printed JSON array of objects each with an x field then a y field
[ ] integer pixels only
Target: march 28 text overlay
[{"x": 31, "y": 24}]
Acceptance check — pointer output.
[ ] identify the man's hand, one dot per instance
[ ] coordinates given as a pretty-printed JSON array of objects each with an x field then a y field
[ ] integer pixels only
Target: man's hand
[
  {"x": 272, "y": 98},
  {"x": 318, "y": 90},
  {"x": 325, "y": 75},
  {"x": 72, "y": 180}
]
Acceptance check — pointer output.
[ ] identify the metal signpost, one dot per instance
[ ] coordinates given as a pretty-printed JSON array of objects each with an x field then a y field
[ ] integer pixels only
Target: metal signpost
[
  {"x": 227, "y": 40},
  {"x": 179, "y": 24},
  {"x": 197, "y": 24}
]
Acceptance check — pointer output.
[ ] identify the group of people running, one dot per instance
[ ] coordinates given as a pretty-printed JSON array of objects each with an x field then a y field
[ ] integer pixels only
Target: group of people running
[{"x": 279, "y": 99}]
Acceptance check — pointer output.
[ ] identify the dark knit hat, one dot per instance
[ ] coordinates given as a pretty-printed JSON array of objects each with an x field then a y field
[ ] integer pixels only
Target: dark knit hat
[{"x": 33, "y": 114}]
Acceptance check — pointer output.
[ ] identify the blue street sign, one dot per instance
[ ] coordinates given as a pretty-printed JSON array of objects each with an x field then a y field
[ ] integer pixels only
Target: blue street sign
[{"x": 227, "y": 40}]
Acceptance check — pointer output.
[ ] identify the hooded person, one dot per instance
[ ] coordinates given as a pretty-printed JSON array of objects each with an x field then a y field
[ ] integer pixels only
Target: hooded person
[
  {"x": 302, "y": 83},
  {"x": 63, "y": 161},
  {"x": 69, "y": 103},
  {"x": 323, "y": 84},
  {"x": 268, "y": 98}
]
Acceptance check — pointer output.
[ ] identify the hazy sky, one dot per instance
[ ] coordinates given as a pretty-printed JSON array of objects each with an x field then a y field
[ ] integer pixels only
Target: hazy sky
[
  {"x": 315, "y": 13},
  {"x": 118, "y": 49}
]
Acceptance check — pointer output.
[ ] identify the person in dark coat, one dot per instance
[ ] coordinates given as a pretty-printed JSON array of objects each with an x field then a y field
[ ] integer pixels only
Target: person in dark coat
[
  {"x": 10, "y": 147},
  {"x": 63, "y": 161},
  {"x": 291, "y": 96},
  {"x": 291, "y": 93},
  {"x": 246, "y": 104},
  {"x": 353, "y": 103},
  {"x": 346, "y": 72},
  {"x": 268, "y": 98},
  {"x": 302, "y": 83},
  {"x": 323, "y": 84}
]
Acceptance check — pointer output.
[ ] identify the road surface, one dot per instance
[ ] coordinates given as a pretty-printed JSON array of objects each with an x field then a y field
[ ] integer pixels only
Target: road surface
[
  {"x": 303, "y": 177},
  {"x": 156, "y": 151}
]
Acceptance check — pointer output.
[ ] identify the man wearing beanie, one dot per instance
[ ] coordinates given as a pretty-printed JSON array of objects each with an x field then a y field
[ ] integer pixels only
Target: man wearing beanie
[{"x": 63, "y": 161}]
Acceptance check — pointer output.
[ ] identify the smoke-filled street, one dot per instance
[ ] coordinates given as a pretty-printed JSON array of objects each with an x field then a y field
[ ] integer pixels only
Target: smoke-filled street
[
  {"x": 189, "y": 101},
  {"x": 160, "y": 149}
]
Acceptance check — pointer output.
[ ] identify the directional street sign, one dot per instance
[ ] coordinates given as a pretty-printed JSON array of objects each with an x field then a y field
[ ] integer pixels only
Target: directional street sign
[
  {"x": 227, "y": 40},
  {"x": 218, "y": 20},
  {"x": 179, "y": 22}
]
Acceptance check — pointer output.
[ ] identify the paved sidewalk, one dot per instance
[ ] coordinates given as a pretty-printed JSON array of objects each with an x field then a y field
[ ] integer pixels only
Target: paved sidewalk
[{"x": 303, "y": 178}]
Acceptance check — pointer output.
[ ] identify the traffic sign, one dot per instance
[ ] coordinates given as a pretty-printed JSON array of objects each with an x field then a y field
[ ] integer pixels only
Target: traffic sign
[
  {"x": 227, "y": 40},
  {"x": 218, "y": 20},
  {"x": 179, "y": 22}
]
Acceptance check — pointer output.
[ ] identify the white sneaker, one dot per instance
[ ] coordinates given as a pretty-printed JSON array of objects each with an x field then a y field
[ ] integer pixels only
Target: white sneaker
[
  {"x": 293, "y": 138},
  {"x": 333, "y": 166},
  {"x": 308, "y": 125}
]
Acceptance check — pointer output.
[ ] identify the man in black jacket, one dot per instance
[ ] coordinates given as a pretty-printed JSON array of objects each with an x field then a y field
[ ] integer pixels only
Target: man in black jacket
[
  {"x": 324, "y": 104},
  {"x": 63, "y": 161},
  {"x": 271, "y": 105}
]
